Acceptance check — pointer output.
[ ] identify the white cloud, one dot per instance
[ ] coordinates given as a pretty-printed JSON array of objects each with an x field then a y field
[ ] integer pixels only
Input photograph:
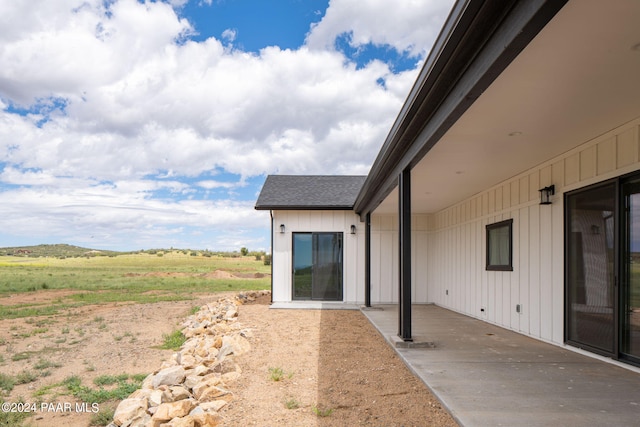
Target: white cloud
[
  {"x": 189, "y": 114},
  {"x": 119, "y": 213},
  {"x": 211, "y": 184},
  {"x": 406, "y": 25},
  {"x": 229, "y": 35},
  {"x": 117, "y": 93},
  {"x": 64, "y": 48}
]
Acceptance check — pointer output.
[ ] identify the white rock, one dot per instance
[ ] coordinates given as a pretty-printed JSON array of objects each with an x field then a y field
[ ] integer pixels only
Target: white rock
[
  {"x": 214, "y": 405},
  {"x": 170, "y": 410},
  {"x": 179, "y": 392},
  {"x": 234, "y": 344},
  {"x": 156, "y": 397},
  {"x": 170, "y": 376},
  {"x": 129, "y": 409}
]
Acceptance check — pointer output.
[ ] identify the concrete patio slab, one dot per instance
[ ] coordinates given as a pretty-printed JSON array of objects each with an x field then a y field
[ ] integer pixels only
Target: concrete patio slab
[{"x": 489, "y": 376}]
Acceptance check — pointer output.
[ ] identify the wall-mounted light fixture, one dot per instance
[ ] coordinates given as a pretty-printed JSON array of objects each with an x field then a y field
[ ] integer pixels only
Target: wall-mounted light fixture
[
  {"x": 546, "y": 193},
  {"x": 281, "y": 228},
  {"x": 353, "y": 229},
  {"x": 595, "y": 230}
]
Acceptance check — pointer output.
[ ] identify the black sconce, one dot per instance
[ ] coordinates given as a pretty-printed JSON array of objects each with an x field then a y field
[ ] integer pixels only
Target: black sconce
[
  {"x": 281, "y": 228},
  {"x": 353, "y": 229},
  {"x": 546, "y": 193}
]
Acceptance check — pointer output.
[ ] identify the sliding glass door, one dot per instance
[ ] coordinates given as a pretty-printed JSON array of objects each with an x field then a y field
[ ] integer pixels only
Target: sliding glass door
[
  {"x": 317, "y": 266},
  {"x": 591, "y": 268},
  {"x": 630, "y": 289},
  {"x": 603, "y": 268}
]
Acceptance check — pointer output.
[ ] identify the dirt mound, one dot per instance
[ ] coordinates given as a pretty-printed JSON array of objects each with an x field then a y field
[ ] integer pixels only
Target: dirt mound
[
  {"x": 219, "y": 274},
  {"x": 216, "y": 274}
]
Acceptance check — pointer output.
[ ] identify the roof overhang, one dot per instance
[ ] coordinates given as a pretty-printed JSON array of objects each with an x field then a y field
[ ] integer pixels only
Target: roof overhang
[{"x": 477, "y": 43}]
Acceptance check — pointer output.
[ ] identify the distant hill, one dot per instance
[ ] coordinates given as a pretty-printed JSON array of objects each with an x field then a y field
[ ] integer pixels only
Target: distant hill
[{"x": 58, "y": 250}]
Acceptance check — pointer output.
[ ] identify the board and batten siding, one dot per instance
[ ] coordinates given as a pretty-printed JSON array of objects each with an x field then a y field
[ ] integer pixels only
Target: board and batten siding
[
  {"x": 457, "y": 278},
  {"x": 318, "y": 221},
  {"x": 385, "y": 254}
]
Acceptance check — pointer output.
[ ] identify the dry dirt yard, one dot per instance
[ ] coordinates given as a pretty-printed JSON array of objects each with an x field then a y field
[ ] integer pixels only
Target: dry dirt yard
[{"x": 305, "y": 368}]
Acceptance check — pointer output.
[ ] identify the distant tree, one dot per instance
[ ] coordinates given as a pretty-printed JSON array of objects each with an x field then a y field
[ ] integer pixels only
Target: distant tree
[{"x": 244, "y": 251}]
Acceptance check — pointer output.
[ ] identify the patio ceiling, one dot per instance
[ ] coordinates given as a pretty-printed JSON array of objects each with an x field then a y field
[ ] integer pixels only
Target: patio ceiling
[{"x": 579, "y": 78}]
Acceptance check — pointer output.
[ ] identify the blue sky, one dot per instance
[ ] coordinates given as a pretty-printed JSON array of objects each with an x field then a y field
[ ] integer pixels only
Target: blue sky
[{"x": 128, "y": 125}]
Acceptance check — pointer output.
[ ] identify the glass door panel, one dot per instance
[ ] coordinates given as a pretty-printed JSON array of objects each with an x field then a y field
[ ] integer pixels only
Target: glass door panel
[
  {"x": 317, "y": 266},
  {"x": 591, "y": 268},
  {"x": 630, "y": 316},
  {"x": 302, "y": 265},
  {"x": 327, "y": 273}
]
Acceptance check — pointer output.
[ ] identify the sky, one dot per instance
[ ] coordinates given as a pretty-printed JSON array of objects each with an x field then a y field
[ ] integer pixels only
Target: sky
[{"x": 128, "y": 125}]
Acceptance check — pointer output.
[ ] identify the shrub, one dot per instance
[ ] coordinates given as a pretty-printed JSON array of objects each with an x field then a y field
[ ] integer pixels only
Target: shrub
[
  {"x": 278, "y": 374},
  {"x": 173, "y": 341},
  {"x": 322, "y": 412},
  {"x": 21, "y": 356},
  {"x": 26, "y": 377},
  {"x": 7, "y": 382},
  {"x": 102, "y": 418},
  {"x": 292, "y": 404}
]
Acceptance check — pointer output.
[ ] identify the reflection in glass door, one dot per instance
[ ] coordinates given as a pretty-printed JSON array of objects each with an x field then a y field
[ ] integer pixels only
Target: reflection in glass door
[
  {"x": 630, "y": 328},
  {"x": 590, "y": 295},
  {"x": 302, "y": 265},
  {"x": 317, "y": 266}
]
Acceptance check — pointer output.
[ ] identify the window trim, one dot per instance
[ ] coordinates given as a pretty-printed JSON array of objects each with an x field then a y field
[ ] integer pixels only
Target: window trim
[{"x": 490, "y": 227}]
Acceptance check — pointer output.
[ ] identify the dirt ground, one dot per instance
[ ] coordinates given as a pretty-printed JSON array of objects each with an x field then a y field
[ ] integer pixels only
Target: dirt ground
[{"x": 336, "y": 369}]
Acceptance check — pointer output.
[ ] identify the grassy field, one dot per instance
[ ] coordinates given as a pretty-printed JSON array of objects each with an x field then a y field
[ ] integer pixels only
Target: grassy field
[{"x": 140, "y": 278}]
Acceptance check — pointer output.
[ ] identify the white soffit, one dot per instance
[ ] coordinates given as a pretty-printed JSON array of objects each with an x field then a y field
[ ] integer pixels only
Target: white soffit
[{"x": 578, "y": 79}]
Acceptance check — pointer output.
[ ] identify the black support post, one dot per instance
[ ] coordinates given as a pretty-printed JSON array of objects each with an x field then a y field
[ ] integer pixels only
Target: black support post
[
  {"x": 404, "y": 211},
  {"x": 367, "y": 261}
]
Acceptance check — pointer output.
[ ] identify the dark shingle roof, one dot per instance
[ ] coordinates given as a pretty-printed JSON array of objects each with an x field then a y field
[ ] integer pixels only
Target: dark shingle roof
[{"x": 309, "y": 192}]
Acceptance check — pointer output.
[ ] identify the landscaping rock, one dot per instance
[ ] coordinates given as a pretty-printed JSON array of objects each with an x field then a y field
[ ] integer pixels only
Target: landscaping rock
[
  {"x": 214, "y": 405},
  {"x": 157, "y": 397},
  {"x": 129, "y": 409},
  {"x": 207, "y": 420},
  {"x": 200, "y": 388},
  {"x": 193, "y": 385},
  {"x": 233, "y": 344},
  {"x": 171, "y": 410},
  {"x": 169, "y": 376},
  {"x": 179, "y": 393},
  {"x": 140, "y": 421}
]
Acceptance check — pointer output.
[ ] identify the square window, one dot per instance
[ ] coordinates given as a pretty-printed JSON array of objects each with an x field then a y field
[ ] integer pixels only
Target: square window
[{"x": 500, "y": 246}]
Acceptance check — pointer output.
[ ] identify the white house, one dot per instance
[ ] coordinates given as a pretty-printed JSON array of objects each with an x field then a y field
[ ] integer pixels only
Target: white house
[
  {"x": 317, "y": 251},
  {"x": 508, "y": 188}
]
